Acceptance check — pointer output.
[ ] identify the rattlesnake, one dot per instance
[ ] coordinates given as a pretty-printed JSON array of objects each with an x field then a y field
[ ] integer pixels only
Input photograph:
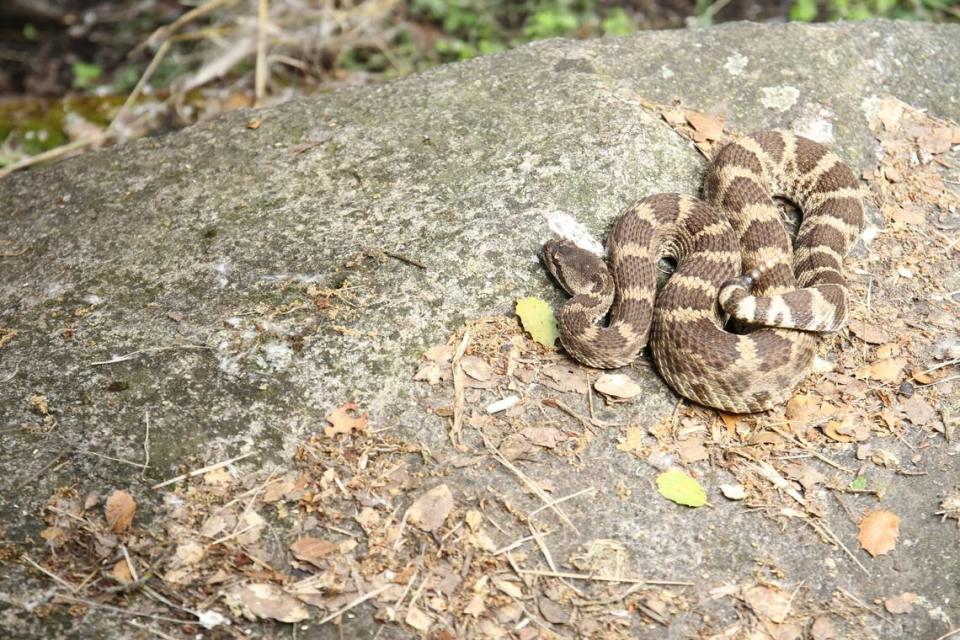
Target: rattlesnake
[{"x": 785, "y": 299}]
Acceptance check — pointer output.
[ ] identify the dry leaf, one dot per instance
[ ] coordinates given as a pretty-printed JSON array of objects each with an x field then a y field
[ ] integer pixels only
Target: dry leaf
[
  {"x": 936, "y": 139},
  {"x": 918, "y": 410},
  {"x": 902, "y": 603},
  {"x": 343, "y": 420},
  {"x": 823, "y": 629},
  {"x": 631, "y": 441},
  {"x": 312, "y": 550},
  {"x": 418, "y": 619},
  {"x": 264, "y": 600},
  {"x": 884, "y": 370},
  {"x": 908, "y": 214},
  {"x": 121, "y": 572},
  {"x": 879, "y": 532},
  {"x": 733, "y": 491},
  {"x": 430, "y": 511},
  {"x": 552, "y": 611},
  {"x": 692, "y": 450},
  {"x": 546, "y": 437},
  {"x": 617, "y": 385},
  {"x": 768, "y": 602},
  {"x": 869, "y": 333},
  {"x": 119, "y": 510},
  {"x": 189, "y": 553},
  {"x": 476, "y": 368},
  {"x": 564, "y": 378},
  {"x": 706, "y": 127}
]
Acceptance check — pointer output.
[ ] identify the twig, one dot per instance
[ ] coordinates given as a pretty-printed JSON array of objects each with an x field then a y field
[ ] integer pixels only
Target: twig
[
  {"x": 146, "y": 443},
  {"x": 197, "y": 472},
  {"x": 52, "y": 154},
  {"x": 403, "y": 258},
  {"x": 587, "y": 576},
  {"x": 106, "y": 457},
  {"x": 130, "y": 565},
  {"x": 134, "y": 354},
  {"x": 810, "y": 450},
  {"x": 538, "y": 536},
  {"x": 530, "y": 483},
  {"x": 149, "y": 629},
  {"x": 830, "y": 534},
  {"x": 356, "y": 602},
  {"x": 950, "y": 634},
  {"x": 553, "y": 503},
  {"x": 166, "y": 31},
  {"x": 50, "y": 574},
  {"x": 260, "y": 72},
  {"x": 232, "y": 535},
  {"x": 129, "y": 612},
  {"x": 865, "y": 605},
  {"x": 939, "y": 366},
  {"x": 459, "y": 382}
]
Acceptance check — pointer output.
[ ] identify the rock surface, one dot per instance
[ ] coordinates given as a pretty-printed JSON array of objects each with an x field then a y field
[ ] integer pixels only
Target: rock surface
[{"x": 157, "y": 247}]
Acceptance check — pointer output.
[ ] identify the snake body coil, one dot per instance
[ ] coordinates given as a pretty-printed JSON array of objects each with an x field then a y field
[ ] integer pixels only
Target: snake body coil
[{"x": 785, "y": 299}]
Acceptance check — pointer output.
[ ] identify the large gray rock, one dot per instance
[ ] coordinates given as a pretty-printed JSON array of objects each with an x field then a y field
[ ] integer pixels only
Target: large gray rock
[{"x": 188, "y": 239}]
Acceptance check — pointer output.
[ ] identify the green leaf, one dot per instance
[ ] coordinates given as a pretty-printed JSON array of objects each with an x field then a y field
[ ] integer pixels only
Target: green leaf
[
  {"x": 803, "y": 10},
  {"x": 85, "y": 74},
  {"x": 676, "y": 485},
  {"x": 538, "y": 320},
  {"x": 29, "y": 32},
  {"x": 617, "y": 23},
  {"x": 859, "y": 483}
]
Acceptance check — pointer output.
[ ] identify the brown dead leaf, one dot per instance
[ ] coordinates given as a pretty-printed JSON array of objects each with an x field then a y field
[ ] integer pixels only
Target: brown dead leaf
[
  {"x": 564, "y": 378},
  {"x": 312, "y": 550},
  {"x": 418, "y": 619},
  {"x": 430, "y": 511},
  {"x": 770, "y": 603},
  {"x": 869, "y": 333},
  {"x": 936, "y": 139},
  {"x": 546, "y": 437},
  {"x": 705, "y": 127},
  {"x": 823, "y": 629},
  {"x": 800, "y": 411},
  {"x": 889, "y": 113},
  {"x": 432, "y": 373},
  {"x": 879, "y": 531},
  {"x": 265, "y": 600},
  {"x": 552, "y": 611},
  {"x": 476, "y": 368},
  {"x": 885, "y": 370},
  {"x": 908, "y": 214},
  {"x": 121, "y": 572},
  {"x": 190, "y": 552},
  {"x": 918, "y": 410},
  {"x": 902, "y": 603},
  {"x": 119, "y": 510},
  {"x": 344, "y": 420},
  {"x": 617, "y": 385},
  {"x": 692, "y": 450}
]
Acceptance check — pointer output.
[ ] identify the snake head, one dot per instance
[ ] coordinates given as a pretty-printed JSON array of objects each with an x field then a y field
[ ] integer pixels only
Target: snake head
[{"x": 577, "y": 270}]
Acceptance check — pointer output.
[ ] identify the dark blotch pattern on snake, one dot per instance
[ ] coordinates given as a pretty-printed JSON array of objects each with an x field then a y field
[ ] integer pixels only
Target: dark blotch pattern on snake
[{"x": 788, "y": 296}]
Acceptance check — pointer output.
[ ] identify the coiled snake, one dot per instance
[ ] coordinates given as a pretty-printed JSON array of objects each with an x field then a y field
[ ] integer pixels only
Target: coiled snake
[{"x": 785, "y": 299}]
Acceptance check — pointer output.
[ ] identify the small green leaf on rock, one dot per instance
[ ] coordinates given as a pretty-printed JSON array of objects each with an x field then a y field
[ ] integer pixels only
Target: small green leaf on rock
[
  {"x": 676, "y": 485},
  {"x": 859, "y": 483},
  {"x": 538, "y": 320}
]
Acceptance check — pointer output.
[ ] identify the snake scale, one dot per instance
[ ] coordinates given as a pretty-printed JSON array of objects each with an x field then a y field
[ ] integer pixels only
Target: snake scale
[{"x": 790, "y": 293}]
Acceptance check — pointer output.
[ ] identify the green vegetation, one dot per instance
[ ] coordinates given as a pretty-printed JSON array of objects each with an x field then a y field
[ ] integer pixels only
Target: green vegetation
[{"x": 810, "y": 10}]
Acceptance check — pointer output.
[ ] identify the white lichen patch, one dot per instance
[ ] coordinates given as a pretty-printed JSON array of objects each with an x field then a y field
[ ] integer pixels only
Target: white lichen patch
[
  {"x": 870, "y": 107},
  {"x": 566, "y": 226},
  {"x": 665, "y": 72},
  {"x": 276, "y": 355},
  {"x": 816, "y": 124},
  {"x": 736, "y": 63},
  {"x": 780, "y": 98}
]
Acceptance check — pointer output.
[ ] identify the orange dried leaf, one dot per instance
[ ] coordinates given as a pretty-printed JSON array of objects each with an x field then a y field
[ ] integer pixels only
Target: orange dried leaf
[
  {"x": 343, "y": 420},
  {"x": 430, "y": 510},
  {"x": 119, "y": 510},
  {"x": 879, "y": 532},
  {"x": 312, "y": 550},
  {"x": 121, "y": 572},
  {"x": 708, "y": 128}
]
